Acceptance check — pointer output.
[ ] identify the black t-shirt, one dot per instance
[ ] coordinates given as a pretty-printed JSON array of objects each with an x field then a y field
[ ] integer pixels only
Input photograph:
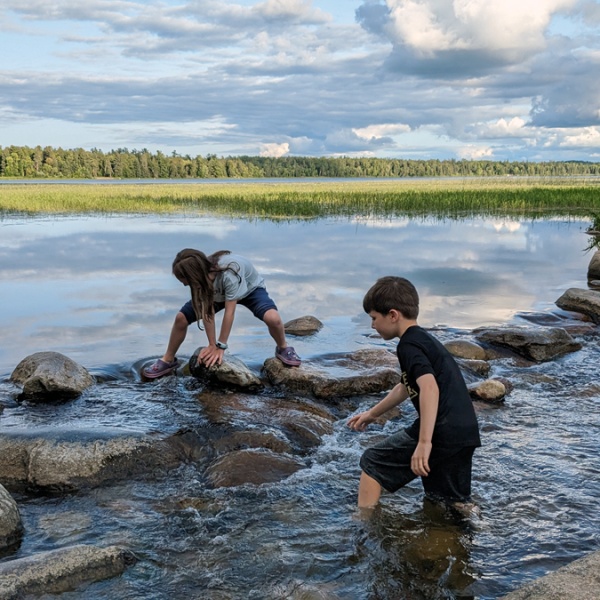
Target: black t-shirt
[{"x": 420, "y": 353}]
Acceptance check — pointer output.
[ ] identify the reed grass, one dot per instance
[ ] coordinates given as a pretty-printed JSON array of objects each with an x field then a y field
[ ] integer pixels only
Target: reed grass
[{"x": 304, "y": 199}]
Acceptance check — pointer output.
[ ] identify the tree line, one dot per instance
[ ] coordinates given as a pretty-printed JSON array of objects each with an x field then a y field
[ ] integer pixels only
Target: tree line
[{"x": 26, "y": 162}]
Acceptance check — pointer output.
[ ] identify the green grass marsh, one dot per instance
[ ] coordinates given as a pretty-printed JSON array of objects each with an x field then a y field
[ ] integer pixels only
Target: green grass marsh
[{"x": 305, "y": 199}]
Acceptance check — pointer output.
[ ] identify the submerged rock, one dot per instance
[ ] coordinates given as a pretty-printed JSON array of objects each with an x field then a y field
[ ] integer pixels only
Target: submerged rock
[
  {"x": 242, "y": 440},
  {"x": 466, "y": 349},
  {"x": 11, "y": 526},
  {"x": 477, "y": 367},
  {"x": 582, "y": 301},
  {"x": 490, "y": 390},
  {"x": 338, "y": 375},
  {"x": 579, "y": 580},
  {"x": 252, "y": 466},
  {"x": 231, "y": 372},
  {"x": 58, "y": 571},
  {"x": 307, "y": 325},
  {"x": 51, "y": 376},
  {"x": 268, "y": 422},
  {"x": 539, "y": 345}
]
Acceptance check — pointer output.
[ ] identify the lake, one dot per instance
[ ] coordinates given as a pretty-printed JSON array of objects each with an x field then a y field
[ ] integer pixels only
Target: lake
[{"x": 100, "y": 290}]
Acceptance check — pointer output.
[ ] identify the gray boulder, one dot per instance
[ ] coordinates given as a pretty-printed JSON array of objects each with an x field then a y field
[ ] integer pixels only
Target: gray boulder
[
  {"x": 338, "y": 375},
  {"x": 582, "y": 301},
  {"x": 539, "y": 345},
  {"x": 58, "y": 460},
  {"x": 58, "y": 571},
  {"x": 594, "y": 267},
  {"x": 302, "y": 326},
  {"x": 50, "y": 376},
  {"x": 10, "y": 520},
  {"x": 231, "y": 372},
  {"x": 579, "y": 580}
]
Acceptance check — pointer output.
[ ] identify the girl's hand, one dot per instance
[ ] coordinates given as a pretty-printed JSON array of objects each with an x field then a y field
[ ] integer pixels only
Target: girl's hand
[
  {"x": 211, "y": 355},
  {"x": 359, "y": 422}
]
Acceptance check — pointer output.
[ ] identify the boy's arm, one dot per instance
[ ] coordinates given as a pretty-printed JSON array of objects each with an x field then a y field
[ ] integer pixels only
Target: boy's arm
[
  {"x": 397, "y": 395},
  {"x": 429, "y": 395}
]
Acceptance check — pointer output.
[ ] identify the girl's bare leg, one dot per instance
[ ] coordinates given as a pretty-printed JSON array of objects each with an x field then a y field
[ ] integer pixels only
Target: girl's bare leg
[
  {"x": 273, "y": 321},
  {"x": 176, "y": 338}
]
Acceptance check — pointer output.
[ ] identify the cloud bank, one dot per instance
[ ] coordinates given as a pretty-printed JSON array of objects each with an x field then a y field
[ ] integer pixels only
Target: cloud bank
[{"x": 512, "y": 80}]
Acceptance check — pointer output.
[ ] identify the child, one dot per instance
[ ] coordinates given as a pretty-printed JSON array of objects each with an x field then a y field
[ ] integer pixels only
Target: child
[
  {"x": 439, "y": 445},
  {"x": 219, "y": 281}
]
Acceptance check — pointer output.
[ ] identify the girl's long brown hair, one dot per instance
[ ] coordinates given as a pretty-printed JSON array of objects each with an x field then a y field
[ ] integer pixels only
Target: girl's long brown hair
[{"x": 192, "y": 267}]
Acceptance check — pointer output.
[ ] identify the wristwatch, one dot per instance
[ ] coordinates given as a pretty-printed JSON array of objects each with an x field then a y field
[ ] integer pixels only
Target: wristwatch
[{"x": 222, "y": 345}]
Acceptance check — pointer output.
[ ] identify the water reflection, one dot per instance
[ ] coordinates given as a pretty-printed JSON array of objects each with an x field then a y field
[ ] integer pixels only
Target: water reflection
[
  {"x": 99, "y": 288},
  {"x": 100, "y": 291}
]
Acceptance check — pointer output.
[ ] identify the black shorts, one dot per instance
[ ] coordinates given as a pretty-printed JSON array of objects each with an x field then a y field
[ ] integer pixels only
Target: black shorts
[
  {"x": 449, "y": 478},
  {"x": 258, "y": 301}
]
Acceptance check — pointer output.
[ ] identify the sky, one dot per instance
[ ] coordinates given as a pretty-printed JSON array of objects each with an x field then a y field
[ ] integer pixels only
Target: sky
[{"x": 415, "y": 79}]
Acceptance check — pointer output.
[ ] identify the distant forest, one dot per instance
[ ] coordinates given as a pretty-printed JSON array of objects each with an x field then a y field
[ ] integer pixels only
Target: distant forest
[{"x": 24, "y": 162}]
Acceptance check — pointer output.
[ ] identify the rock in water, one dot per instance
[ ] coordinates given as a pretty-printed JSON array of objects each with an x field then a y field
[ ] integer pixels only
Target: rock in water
[{"x": 51, "y": 376}]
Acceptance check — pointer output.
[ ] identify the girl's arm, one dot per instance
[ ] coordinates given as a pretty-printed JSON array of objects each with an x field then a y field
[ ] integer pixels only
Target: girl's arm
[
  {"x": 228, "y": 318},
  {"x": 397, "y": 395},
  {"x": 212, "y": 355},
  {"x": 429, "y": 395}
]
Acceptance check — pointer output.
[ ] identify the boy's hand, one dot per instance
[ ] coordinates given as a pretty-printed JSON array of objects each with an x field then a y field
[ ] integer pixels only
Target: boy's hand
[
  {"x": 419, "y": 463},
  {"x": 359, "y": 422}
]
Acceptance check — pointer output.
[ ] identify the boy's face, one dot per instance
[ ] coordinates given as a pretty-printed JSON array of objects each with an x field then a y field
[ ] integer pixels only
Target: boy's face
[{"x": 385, "y": 325}]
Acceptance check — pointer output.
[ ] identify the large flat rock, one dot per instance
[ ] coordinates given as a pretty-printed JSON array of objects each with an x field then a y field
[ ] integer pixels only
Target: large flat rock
[
  {"x": 538, "y": 344},
  {"x": 338, "y": 375},
  {"x": 58, "y": 571},
  {"x": 579, "y": 580}
]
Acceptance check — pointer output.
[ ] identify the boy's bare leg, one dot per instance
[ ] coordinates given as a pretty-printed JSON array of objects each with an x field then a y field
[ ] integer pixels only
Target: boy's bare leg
[
  {"x": 273, "y": 321},
  {"x": 176, "y": 338},
  {"x": 369, "y": 492}
]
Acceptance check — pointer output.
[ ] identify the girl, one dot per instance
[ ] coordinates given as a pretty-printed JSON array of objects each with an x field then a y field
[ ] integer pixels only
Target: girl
[{"x": 219, "y": 281}]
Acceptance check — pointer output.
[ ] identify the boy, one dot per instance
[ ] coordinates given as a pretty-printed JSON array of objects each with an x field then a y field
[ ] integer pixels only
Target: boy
[{"x": 439, "y": 445}]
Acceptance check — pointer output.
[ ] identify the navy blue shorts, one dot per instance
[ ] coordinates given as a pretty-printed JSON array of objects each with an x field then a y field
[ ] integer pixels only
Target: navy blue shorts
[
  {"x": 258, "y": 301},
  {"x": 449, "y": 479}
]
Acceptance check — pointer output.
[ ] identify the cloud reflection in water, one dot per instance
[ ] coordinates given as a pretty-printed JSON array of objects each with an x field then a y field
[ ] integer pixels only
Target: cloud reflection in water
[{"x": 100, "y": 289}]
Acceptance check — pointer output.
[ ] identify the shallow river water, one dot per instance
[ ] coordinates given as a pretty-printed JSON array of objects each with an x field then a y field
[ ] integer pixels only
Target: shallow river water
[{"x": 99, "y": 290}]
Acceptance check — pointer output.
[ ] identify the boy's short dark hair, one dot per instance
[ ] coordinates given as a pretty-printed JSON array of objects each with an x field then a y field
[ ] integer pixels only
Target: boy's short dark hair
[{"x": 392, "y": 292}]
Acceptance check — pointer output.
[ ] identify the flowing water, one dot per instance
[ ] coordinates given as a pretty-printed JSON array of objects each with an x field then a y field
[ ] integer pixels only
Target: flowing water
[{"x": 99, "y": 290}]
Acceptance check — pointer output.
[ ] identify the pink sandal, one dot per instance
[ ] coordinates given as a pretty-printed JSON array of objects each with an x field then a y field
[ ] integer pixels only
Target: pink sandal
[{"x": 160, "y": 368}]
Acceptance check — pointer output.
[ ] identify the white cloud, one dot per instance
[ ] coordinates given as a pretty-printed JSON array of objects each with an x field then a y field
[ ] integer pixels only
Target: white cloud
[
  {"x": 515, "y": 127},
  {"x": 274, "y": 150},
  {"x": 511, "y": 28},
  {"x": 588, "y": 137},
  {"x": 408, "y": 78},
  {"x": 379, "y": 131},
  {"x": 475, "y": 152},
  {"x": 291, "y": 10}
]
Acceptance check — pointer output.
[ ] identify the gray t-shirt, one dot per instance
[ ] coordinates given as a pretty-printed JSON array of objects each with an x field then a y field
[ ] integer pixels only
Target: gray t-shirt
[{"x": 237, "y": 283}]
